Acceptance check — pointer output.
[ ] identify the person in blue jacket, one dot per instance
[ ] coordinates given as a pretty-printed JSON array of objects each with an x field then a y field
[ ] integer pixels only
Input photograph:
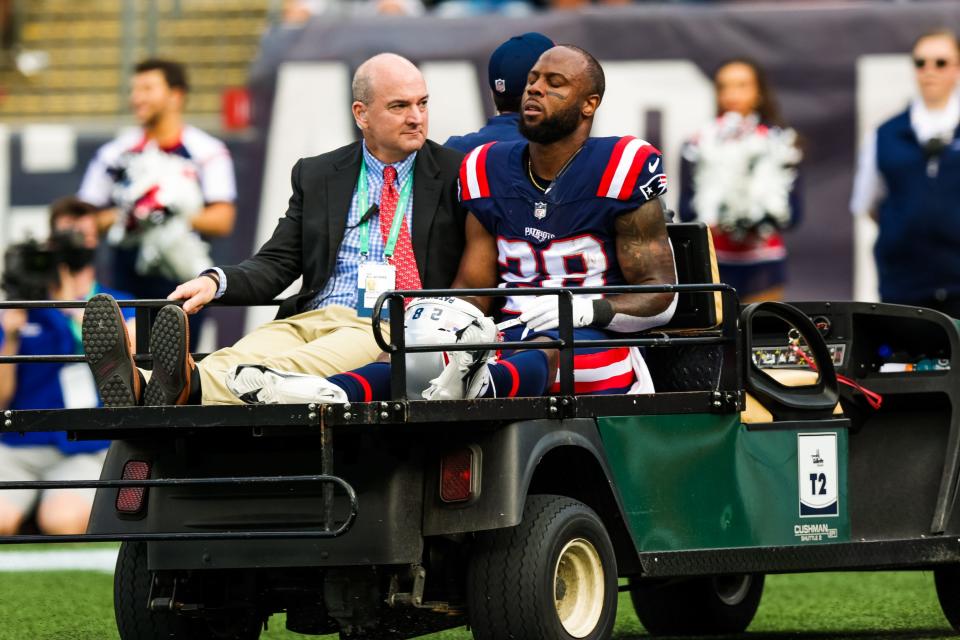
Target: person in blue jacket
[
  {"x": 908, "y": 181},
  {"x": 52, "y": 385},
  {"x": 507, "y": 72}
]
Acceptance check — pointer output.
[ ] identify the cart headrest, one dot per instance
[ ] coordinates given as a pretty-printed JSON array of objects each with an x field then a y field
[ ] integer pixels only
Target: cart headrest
[{"x": 696, "y": 264}]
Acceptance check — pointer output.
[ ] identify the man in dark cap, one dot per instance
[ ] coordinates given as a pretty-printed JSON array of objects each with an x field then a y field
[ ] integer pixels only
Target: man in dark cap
[{"x": 509, "y": 66}]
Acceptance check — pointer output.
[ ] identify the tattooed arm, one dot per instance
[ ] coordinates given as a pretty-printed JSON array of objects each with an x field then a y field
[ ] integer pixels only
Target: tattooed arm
[{"x": 645, "y": 257}]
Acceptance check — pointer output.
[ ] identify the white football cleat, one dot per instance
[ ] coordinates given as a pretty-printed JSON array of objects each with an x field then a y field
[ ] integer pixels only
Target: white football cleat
[
  {"x": 256, "y": 384},
  {"x": 466, "y": 375}
]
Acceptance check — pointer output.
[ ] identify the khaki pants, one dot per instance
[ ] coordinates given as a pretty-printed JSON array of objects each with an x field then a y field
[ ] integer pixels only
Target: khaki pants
[{"x": 322, "y": 342}]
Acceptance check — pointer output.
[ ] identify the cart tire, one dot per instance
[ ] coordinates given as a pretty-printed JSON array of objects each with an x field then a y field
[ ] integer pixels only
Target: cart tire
[
  {"x": 700, "y": 606},
  {"x": 552, "y": 577},
  {"x": 131, "y": 590},
  {"x": 947, "y": 581}
]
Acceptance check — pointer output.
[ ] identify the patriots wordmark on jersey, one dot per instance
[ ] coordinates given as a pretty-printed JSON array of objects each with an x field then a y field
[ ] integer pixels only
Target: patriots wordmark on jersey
[{"x": 562, "y": 236}]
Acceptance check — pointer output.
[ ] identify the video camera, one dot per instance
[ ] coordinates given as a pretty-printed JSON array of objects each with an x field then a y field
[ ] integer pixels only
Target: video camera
[{"x": 30, "y": 267}]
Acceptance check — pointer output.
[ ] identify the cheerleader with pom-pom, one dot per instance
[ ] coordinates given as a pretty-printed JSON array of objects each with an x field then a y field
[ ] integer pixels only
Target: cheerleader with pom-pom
[{"x": 739, "y": 176}]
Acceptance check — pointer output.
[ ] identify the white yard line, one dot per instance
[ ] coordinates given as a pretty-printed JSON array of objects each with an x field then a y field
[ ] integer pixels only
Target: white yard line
[{"x": 103, "y": 560}]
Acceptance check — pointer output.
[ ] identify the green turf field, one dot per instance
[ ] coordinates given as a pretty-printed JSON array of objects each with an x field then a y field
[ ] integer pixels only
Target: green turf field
[{"x": 77, "y": 605}]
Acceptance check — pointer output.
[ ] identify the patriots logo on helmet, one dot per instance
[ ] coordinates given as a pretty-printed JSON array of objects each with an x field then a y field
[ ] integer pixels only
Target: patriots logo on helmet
[{"x": 655, "y": 186}]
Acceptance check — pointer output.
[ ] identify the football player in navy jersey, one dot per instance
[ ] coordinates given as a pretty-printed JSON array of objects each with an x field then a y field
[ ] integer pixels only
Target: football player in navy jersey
[
  {"x": 559, "y": 209},
  {"x": 565, "y": 210}
]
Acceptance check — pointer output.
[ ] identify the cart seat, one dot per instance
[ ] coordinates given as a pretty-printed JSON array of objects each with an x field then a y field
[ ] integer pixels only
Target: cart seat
[{"x": 685, "y": 367}]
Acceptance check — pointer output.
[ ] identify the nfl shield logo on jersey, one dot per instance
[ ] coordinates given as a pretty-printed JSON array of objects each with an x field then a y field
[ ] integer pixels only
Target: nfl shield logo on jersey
[{"x": 539, "y": 210}]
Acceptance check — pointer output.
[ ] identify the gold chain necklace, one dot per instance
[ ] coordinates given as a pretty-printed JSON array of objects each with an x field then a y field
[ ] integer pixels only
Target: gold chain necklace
[
  {"x": 532, "y": 179},
  {"x": 565, "y": 165}
]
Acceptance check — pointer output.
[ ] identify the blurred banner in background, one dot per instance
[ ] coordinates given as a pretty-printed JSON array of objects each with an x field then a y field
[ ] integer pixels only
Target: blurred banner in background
[{"x": 838, "y": 69}]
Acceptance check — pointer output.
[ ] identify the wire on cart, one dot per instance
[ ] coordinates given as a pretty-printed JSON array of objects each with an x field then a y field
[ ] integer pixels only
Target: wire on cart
[{"x": 874, "y": 399}]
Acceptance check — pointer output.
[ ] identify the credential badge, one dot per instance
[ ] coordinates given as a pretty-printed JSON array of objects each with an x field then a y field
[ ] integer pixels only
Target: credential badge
[{"x": 539, "y": 210}]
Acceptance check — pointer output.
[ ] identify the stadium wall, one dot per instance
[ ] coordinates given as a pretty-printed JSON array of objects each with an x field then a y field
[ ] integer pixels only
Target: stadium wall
[{"x": 839, "y": 69}]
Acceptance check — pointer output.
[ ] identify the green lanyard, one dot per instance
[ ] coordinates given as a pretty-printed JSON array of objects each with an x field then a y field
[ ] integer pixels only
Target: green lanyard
[{"x": 398, "y": 216}]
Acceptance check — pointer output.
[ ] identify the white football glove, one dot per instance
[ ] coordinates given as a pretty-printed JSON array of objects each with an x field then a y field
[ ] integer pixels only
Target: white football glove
[
  {"x": 544, "y": 313},
  {"x": 457, "y": 381}
]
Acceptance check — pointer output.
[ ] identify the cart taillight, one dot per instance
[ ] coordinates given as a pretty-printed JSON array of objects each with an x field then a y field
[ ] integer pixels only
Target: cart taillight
[
  {"x": 458, "y": 475},
  {"x": 130, "y": 499}
]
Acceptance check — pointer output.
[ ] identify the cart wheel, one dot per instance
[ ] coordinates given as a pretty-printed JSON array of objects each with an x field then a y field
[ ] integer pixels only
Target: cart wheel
[
  {"x": 131, "y": 591},
  {"x": 947, "y": 581},
  {"x": 700, "y": 606},
  {"x": 552, "y": 577}
]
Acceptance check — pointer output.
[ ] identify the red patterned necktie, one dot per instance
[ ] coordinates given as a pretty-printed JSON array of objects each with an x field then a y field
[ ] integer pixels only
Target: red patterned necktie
[{"x": 408, "y": 278}]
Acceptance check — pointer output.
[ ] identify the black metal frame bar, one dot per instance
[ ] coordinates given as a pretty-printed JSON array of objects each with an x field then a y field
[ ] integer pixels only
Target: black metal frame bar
[
  {"x": 731, "y": 375},
  {"x": 142, "y": 313},
  {"x": 124, "y": 422},
  {"x": 139, "y": 421},
  {"x": 326, "y": 481},
  {"x": 496, "y": 411},
  {"x": 269, "y": 421}
]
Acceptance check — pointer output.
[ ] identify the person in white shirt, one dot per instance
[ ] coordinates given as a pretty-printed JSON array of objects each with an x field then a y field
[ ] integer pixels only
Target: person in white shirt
[{"x": 161, "y": 188}]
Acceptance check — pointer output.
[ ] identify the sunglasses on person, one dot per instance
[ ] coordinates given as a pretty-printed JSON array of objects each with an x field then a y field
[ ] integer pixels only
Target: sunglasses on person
[{"x": 939, "y": 63}]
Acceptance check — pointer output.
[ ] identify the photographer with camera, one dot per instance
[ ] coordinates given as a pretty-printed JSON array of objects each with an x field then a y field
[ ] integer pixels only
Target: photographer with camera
[{"x": 59, "y": 269}]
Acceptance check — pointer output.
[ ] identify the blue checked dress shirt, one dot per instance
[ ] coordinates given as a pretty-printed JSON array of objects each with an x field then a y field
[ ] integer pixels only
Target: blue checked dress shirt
[{"x": 341, "y": 288}]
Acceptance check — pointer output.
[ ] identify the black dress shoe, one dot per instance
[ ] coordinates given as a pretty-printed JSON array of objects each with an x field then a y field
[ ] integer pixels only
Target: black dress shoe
[
  {"x": 173, "y": 367},
  {"x": 106, "y": 346}
]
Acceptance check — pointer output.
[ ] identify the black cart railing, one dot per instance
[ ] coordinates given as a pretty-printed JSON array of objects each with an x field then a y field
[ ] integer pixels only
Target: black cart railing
[
  {"x": 730, "y": 379},
  {"x": 135, "y": 422}
]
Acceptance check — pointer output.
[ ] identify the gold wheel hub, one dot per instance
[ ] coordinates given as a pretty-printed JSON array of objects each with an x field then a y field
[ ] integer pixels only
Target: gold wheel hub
[{"x": 578, "y": 587}]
